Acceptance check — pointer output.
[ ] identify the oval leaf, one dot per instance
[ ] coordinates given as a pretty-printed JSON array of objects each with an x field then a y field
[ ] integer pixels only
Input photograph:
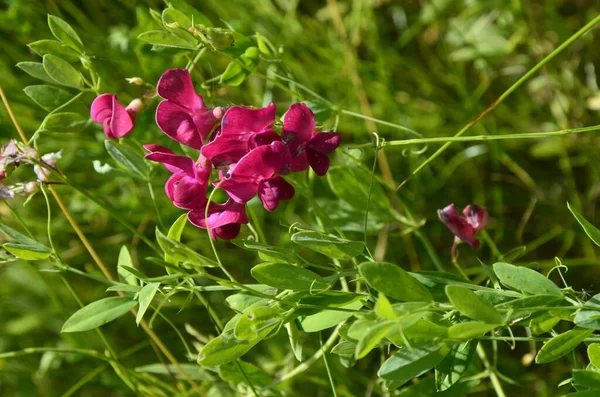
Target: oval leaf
[
  {"x": 454, "y": 366},
  {"x": 589, "y": 229},
  {"x": 525, "y": 279},
  {"x": 65, "y": 33},
  {"x": 410, "y": 363},
  {"x": 473, "y": 306},
  {"x": 43, "y": 47},
  {"x": 394, "y": 282},
  {"x": 98, "y": 313},
  {"x": 594, "y": 354},
  {"x": 128, "y": 159},
  {"x": 562, "y": 344},
  {"x": 61, "y": 71},
  {"x": 145, "y": 298},
  {"x": 326, "y": 244},
  {"x": 166, "y": 39},
  {"x": 67, "y": 122},
  {"x": 283, "y": 276},
  {"x": 35, "y": 69},
  {"x": 47, "y": 96}
]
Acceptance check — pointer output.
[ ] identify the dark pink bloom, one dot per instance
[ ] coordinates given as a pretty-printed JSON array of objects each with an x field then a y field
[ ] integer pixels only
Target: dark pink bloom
[
  {"x": 182, "y": 115},
  {"x": 465, "y": 226},
  {"x": 308, "y": 148},
  {"x": 186, "y": 188},
  {"x": 255, "y": 173},
  {"x": 117, "y": 120},
  {"x": 224, "y": 220},
  {"x": 242, "y": 129}
]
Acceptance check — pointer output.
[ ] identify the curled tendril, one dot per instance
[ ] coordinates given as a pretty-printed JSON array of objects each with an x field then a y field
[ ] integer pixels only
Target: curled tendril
[
  {"x": 293, "y": 227},
  {"x": 407, "y": 151}
]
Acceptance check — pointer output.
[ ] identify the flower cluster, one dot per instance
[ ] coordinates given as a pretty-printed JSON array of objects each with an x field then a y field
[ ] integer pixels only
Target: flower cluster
[
  {"x": 240, "y": 143},
  {"x": 465, "y": 226}
]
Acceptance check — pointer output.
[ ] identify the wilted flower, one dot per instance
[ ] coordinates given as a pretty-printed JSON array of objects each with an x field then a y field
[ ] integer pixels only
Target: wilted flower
[
  {"x": 464, "y": 227},
  {"x": 255, "y": 173},
  {"x": 14, "y": 154},
  {"x": 117, "y": 120},
  {"x": 242, "y": 129},
  {"x": 49, "y": 159},
  {"x": 182, "y": 115},
  {"x": 307, "y": 147}
]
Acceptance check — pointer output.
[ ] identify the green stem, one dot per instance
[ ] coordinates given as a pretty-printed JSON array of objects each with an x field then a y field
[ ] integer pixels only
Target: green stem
[
  {"x": 493, "y": 377},
  {"x": 382, "y": 122}
]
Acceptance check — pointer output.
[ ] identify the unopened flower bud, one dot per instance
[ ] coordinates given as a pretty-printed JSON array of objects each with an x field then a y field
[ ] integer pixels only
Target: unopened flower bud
[
  {"x": 219, "y": 38},
  {"x": 136, "y": 80},
  {"x": 29, "y": 188},
  {"x": 218, "y": 112},
  {"x": 134, "y": 108},
  {"x": 50, "y": 160}
]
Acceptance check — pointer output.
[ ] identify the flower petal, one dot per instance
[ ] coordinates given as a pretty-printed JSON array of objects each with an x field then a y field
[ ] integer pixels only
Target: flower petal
[
  {"x": 271, "y": 190},
  {"x": 325, "y": 142},
  {"x": 121, "y": 123},
  {"x": 222, "y": 219},
  {"x": 177, "y": 123},
  {"x": 176, "y": 86},
  {"x": 476, "y": 216},
  {"x": 260, "y": 163},
  {"x": 318, "y": 162},
  {"x": 186, "y": 192},
  {"x": 458, "y": 225},
  {"x": 300, "y": 163},
  {"x": 298, "y": 126},
  {"x": 238, "y": 126},
  {"x": 101, "y": 108},
  {"x": 173, "y": 162}
]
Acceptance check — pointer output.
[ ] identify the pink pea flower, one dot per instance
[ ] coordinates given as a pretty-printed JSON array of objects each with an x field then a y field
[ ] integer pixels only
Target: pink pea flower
[
  {"x": 186, "y": 188},
  {"x": 117, "y": 120},
  {"x": 224, "y": 220},
  {"x": 255, "y": 173},
  {"x": 242, "y": 129},
  {"x": 182, "y": 115},
  {"x": 307, "y": 147},
  {"x": 464, "y": 227}
]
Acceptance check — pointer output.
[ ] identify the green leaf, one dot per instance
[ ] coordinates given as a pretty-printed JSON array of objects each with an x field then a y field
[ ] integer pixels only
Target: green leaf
[
  {"x": 132, "y": 289},
  {"x": 522, "y": 307},
  {"x": 125, "y": 261},
  {"x": 47, "y": 96},
  {"x": 128, "y": 158},
  {"x": 454, "y": 366},
  {"x": 193, "y": 370},
  {"x": 67, "y": 122},
  {"x": 35, "y": 69},
  {"x": 586, "y": 393},
  {"x": 182, "y": 253},
  {"x": 166, "y": 39},
  {"x": 226, "y": 348},
  {"x": 589, "y": 315},
  {"x": 586, "y": 378},
  {"x": 254, "y": 320},
  {"x": 295, "y": 339},
  {"x": 240, "y": 302},
  {"x": 525, "y": 280},
  {"x": 61, "y": 71},
  {"x": 410, "y": 363},
  {"x": 562, "y": 344},
  {"x": 238, "y": 69},
  {"x": 384, "y": 309},
  {"x": 145, "y": 298},
  {"x": 195, "y": 16},
  {"x": 591, "y": 230},
  {"x": 329, "y": 245},
  {"x": 472, "y": 305},
  {"x": 231, "y": 373},
  {"x": 23, "y": 239},
  {"x": 269, "y": 253},
  {"x": 372, "y": 337},
  {"x": 543, "y": 323},
  {"x": 65, "y": 33},
  {"x": 98, "y": 313},
  {"x": 394, "y": 282},
  {"x": 173, "y": 18},
  {"x": 321, "y": 109},
  {"x": 593, "y": 352},
  {"x": 469, "y": 330},
  {"x": 283, "y": 276},
  {"x": 26, "y": 252},
  {"x": 43, "y": 47},
  {"x": 175, "y": 232},
  {"x": 328, "y": 318}
]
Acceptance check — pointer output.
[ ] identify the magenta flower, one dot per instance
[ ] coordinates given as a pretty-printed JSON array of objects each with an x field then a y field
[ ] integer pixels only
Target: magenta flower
[
  {"x": 224, "y": 220},
  {"x": 242, "y": 129},
  {"x": 255, "y": 173},
  {"x": 464, "y": 227},
  {"x": 117, "y": 120},
  {"x": 182, "y": 115},
  {"x": 307, "y": 147},
  {"x": 186, "y": 188}
]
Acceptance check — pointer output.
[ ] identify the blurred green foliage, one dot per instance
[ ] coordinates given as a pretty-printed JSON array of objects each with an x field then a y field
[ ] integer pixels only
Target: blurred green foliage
[{"x": 431, "y": 66}]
